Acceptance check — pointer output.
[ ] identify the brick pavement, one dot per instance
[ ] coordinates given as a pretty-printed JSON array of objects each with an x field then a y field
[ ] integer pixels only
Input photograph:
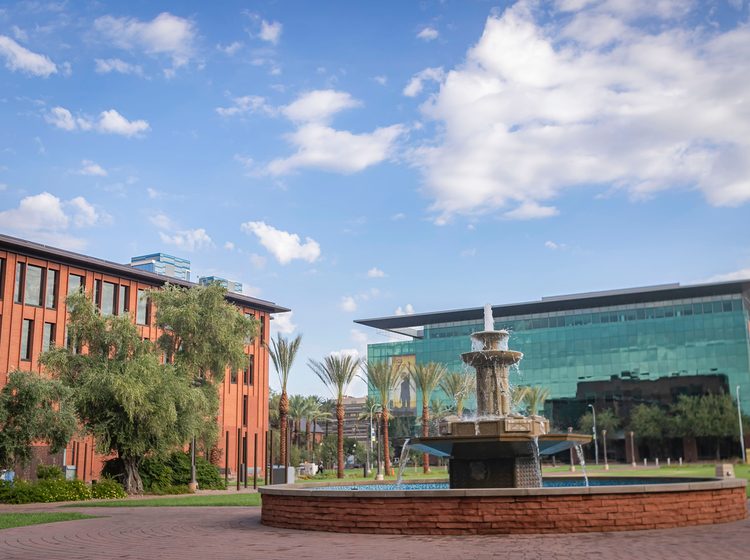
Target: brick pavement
[{"x": 216, "y": 533}]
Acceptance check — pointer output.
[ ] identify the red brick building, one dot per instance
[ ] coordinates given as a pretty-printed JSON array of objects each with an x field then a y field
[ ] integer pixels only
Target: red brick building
[{"x": 34, "y": 282}]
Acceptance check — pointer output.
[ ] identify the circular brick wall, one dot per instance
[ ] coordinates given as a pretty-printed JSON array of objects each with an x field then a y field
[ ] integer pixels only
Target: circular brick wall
[{"x": 505, "y": 511}]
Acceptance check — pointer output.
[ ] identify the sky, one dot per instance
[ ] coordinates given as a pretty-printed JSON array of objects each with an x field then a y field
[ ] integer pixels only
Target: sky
[{"x": 364, "y": 159}]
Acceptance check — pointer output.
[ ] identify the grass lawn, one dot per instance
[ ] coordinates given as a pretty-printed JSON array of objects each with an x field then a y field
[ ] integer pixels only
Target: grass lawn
[
  {"x": 244, "y": 499},
  {"x": 8, "y": 520}
]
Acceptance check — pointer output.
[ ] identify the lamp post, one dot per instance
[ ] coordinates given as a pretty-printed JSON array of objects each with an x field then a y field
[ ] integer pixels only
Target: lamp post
[
  {"x": 370, "y": 438},
  {"x": 379, "y": 475},
  {"x": 593, "y": 430},
  {"x": 572, "y": 463},
  {"x": 739, "y": 419},
  {"x": 632, "y": 449},
  {"x": 604, "y": 442}
]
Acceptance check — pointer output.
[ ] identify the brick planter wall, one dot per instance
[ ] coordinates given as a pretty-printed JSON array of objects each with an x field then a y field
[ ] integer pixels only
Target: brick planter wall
[{"x": 462, "y": 512}]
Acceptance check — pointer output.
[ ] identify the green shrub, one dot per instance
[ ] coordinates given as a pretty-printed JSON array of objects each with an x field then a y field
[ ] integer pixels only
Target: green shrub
[
  {"x": 170, "y": 490},
  {"x": 155, "y": 474},
  {"x": 107, "y": 488},
  {"x": 22, "y": 492},
  {"x": 167, "y": 476},
  {"x": 49, "y": 472}
]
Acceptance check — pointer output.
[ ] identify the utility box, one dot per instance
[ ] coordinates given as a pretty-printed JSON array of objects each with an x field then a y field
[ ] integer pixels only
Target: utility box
[
  {"x": 277, "y": 475},
  {"x": 725, "y": 470}
]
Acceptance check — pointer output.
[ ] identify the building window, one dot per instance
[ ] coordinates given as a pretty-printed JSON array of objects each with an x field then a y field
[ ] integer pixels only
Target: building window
[
  {"x": 50, "y": 295},
  {"x": 141, "y": 313},
  {"x": 244, "y": 410},
  {"x": 123, "y": 305},
  {"x": 32, "y": 293},
  {"x": 250, "y": 370},
  {"x": 18, "y": 286},
  {"x": 233, "y": 376},
  {"x": 262, "y": 329},
  {"x": 108, "y": 303},
  {"x": 98, "y": 293},
  {"x": 2, "y": 277},
  {"x": 49, "y": 336},
  {"x": 75, "y": 284},
  {"x": 249, "y": 339},
  {"x": 27, "y": 334}
]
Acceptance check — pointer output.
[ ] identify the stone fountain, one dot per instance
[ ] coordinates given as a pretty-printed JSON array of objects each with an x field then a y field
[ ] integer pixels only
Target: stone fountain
[{"x": 497, "y": 449}]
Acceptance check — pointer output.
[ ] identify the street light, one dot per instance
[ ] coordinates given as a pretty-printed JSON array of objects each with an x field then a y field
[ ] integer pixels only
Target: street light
[
  {"x": 370, "y": 438},
  {"x": 739, "y": 419},
  {"x": 604, "y": 442},
  {"x": 632, "y": 449},
  {"x": 593, "y": 430},
  {"x": 379, "y": 475}
]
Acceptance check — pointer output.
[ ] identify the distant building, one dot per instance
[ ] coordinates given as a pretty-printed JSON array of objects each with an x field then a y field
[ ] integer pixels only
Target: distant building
[
  {"x": 356, "y": 425},
  {"x": 229, "y": 285},
  {"x": 161, "y": 263}
]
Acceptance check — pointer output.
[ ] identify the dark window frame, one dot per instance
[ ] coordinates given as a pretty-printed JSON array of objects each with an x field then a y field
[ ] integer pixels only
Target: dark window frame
[
  {"x": 48, "y": 342},
  {"x": 51, "y": 273},
  {"x": 19, "y": 282},
  {"x": 27, "y": 331}
]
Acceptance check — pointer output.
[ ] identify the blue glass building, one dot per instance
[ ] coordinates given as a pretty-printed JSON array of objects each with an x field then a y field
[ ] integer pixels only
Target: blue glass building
[
  {"x": 164, "y": 264},
  {"x": 229, "y": 285},
  {"x": 615, "y": 349}
]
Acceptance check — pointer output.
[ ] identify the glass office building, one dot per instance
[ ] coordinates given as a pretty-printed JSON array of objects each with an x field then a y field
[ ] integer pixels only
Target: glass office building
[
  {"x": 229, "y": 285},
  {"x": 164, "y": 264},
  {"x": 616, "y": 349}
]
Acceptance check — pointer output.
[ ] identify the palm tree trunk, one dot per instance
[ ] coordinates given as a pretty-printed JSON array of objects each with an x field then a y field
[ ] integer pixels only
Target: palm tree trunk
[
  {"x": 312, "y": 449},
  {"x": 283, "y": 412},
  {"x": 425, "y": 433},
  {"x": 386, "y": 445},
  {"x": 340, "y": 434}
]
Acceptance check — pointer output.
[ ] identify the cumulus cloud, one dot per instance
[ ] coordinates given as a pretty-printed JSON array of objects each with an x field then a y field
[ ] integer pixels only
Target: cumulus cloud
[
  {"x": 428, "y": 34},
  {"x": 89, "y": 167},
  {"x": 47, "y": 218},
  {"x": 542, "y": 105},
  {"x": 375, "y": 272},
  {"x": 18, "y": 58},
  {"x": 742, "y": 274},
  {"x": 348, "y": 304},
  {"x": 555, "y": 246},
  {"x": 105, "y": 66},
  {"x": 231, "y": 49},
  {"x": 188, "y": 239},
  {"x": 407, "y": 309},
  {"x": 258, "y": 261},
  {"x": 319, "y": 105},
  {"x": 416, "y": 84},
  {"x": 283, "y": 323},
  {"x": 245, "y": 105},
  {"x": 270, "y": 31},
  {"x": 166, "y": 35},
  {"x": 283, "y": 245},
  {"x": 109, "y": 122}
]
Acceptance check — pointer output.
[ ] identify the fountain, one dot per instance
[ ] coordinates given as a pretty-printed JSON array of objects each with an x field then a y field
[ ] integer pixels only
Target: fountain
[
  {"x": 495, "y": 480},
  {"x": 499, "y": 449}
]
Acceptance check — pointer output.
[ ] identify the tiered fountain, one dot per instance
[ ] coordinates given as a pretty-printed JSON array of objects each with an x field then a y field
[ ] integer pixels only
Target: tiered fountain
[
  {"x": 498, "y": 449},
  {"x": 496, "y": 485}
]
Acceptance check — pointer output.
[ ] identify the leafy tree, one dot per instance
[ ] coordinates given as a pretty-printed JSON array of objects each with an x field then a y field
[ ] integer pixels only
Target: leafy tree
[
  {"x": 605, "y": 420},
  {"x": 534, "y": 398},
  {"x": 337, "y": 373},
  {"x": 202, "y": 335},
  {"x": 283, "y": 352},
  {"x": 426, "y": 378},
  {"x": 458, "y": 386},
  {"x": 711, "y": 416},
  {"x": 649, "y": 423},
  {"x": 384, "y": 378},
  {"x": 33, "y": 409},
  {"x": 132, "y": 404}
]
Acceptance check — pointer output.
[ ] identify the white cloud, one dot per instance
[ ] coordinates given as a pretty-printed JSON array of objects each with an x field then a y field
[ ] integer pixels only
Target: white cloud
[
  {"x": 153, "y": 194},
  {"x": 416, "y": 84},
  {"x": 319, "y": 105},
  {"x": 542, "y": 105},
  {"x": 742, "y": 274},
  {"x": 469, "y": 252},
  {"x": 22, "y": 59},
  {"x": 110, "y": 122},
  {"x": 382, "y": 80},
  {"x": 270, "y": 31},
  {"x": 47, "y": 218},
  {"x": 244, "y": 105},
  {"x": 407, "y": 309},
  {"x": 283, "y": 245},
  {"x": 166, "y": 34},
  {"x": 398, "y": 217},
  {"x": 229, "y": 246},
  {"x": 89, "y": 167},
  {"x": 230, "y": 49},
  {"x": 188, "y": 240},
  {"x": 375, "y": 272},
  {"x": 283, "y": 323},
  {"x": 428, "y": 34},
  {"x": 348, "y": 304},
  {"x": 555, "y": 246},
  {"x": 105, "y": 66},
  {"x": 258, "y": 261},
  {"x": 162, "y": 221}
]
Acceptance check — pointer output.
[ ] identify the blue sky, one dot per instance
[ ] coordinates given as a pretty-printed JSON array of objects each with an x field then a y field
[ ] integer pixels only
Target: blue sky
[{"x": 352, "y": 159}]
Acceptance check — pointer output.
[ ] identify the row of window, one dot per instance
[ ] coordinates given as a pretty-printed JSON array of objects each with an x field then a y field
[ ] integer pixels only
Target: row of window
[{"x": 248, "y": 372}]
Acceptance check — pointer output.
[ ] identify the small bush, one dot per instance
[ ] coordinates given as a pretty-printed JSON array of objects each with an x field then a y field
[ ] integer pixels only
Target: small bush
[
  {"x": 155, "y": 474},
  {"x": 170, "y": 490},
  {"x": 107, "y": 488},
  {"x": 22, "y": 492},
  {"x": 49, "y": 472}
]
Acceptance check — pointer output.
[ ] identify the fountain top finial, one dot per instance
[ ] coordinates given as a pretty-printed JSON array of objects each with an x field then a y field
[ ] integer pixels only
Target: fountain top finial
[{"x": 489, "y": 321}]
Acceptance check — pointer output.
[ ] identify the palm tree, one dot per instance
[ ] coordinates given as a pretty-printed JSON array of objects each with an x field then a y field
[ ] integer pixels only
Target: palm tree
[
  {"x": 517, "y": 396},
  {"x": 316, "y": 412},
  {"x": 534, "y": 399},
  {"x": 426, "y": 378},
  {"x": 384, "y": 378},
  {"x": 283, "y": 352},
  {"x": 297, "y": 411},
  {"x": 458, "y": 386},
  {"x": 337, "y": 372}
]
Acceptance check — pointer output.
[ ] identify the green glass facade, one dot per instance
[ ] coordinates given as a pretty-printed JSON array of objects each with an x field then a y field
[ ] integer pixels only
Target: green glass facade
[{"x": 686, "y": 336}]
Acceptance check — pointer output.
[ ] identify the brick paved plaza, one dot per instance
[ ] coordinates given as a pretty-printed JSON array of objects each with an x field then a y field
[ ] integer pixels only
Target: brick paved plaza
[{"x": 215, "y": 533}]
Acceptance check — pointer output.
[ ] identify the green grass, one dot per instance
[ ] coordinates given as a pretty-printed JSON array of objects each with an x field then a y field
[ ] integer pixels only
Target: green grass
[
  {"x": 244, "y": 499},
  {"x": 8, "y": 520}
]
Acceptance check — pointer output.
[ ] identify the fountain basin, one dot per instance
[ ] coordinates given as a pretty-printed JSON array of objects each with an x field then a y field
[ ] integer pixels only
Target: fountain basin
[{"x": 619, "y": 507}]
